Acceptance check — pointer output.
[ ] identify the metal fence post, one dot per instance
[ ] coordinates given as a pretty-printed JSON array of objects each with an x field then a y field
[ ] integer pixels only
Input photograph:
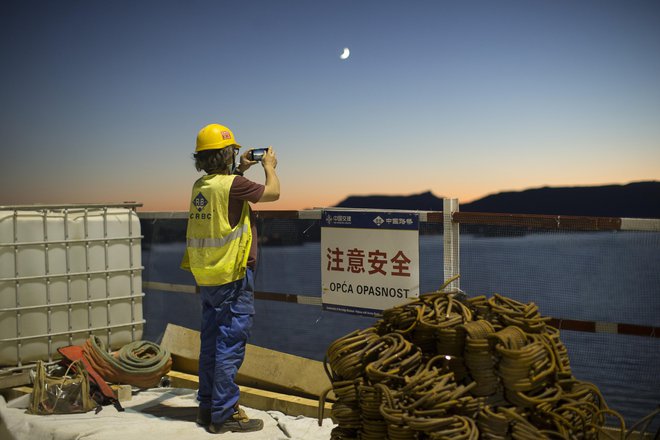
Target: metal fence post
[{"x": 451, "y": 241}]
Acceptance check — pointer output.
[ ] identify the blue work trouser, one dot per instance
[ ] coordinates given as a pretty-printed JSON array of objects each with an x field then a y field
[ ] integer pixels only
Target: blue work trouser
[{"x": 227, "y": 313}]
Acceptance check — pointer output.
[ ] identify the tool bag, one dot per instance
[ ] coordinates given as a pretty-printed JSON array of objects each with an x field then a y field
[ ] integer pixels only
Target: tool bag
[
  {"x": 61, "y": 395},
  {"x": 99, "y": 389}
]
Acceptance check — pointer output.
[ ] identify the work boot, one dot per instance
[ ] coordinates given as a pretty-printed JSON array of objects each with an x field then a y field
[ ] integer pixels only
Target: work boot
[
  {"x": 204, "y": 417},
  {"x": 236, "y": 426},
  {"x": 238, "y": 422}
]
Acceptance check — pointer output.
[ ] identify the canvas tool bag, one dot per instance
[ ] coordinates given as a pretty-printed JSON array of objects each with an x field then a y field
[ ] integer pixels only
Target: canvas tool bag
[{"x": 61, "y": 395}]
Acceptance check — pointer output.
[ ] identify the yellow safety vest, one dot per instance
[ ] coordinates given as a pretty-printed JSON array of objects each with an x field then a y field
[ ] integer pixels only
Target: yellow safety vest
[{"x": 216, "y": 253}]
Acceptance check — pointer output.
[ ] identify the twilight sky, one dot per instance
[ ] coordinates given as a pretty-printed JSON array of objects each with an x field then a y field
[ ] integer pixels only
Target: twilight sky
[{"x": 101, "y": 100}]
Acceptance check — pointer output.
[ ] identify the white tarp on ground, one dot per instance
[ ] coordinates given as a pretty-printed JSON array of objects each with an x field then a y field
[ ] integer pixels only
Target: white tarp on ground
[{"x": 160, "y": 413}]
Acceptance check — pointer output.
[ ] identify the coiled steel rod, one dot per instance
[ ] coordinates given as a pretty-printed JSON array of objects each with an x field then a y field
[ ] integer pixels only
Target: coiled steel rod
[{"x": 442, "y": 367}]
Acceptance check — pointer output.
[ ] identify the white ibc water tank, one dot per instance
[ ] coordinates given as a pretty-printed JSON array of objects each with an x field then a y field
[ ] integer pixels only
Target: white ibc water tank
[{"x": 66, "y": 274}]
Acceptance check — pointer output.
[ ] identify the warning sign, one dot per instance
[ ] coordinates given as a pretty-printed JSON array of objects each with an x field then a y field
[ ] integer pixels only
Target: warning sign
[{"x": 370, "y": 260}]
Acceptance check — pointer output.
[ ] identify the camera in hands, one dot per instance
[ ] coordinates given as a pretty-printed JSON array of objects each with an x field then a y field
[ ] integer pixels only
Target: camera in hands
[{"x": 257, "y": 153}]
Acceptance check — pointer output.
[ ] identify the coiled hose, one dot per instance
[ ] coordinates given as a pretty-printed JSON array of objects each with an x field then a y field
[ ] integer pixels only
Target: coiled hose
[{"x": 140, "y": 363}]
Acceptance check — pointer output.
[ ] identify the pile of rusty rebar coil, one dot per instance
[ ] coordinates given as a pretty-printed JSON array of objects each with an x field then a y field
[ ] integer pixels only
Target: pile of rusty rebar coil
[{"x": 476, "y": 368}]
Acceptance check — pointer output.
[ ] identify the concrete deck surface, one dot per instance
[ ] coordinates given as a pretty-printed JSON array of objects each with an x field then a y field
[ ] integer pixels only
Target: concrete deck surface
[{"x": 159, "y": 413}]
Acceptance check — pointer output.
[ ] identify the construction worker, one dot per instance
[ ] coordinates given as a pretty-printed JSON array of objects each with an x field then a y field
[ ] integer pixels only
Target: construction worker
[{"x": 221, "y": 243}]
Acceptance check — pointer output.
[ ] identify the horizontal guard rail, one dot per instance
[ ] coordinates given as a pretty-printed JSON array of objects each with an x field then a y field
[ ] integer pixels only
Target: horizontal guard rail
[
  {"x": 561, "y": 324},
  {"x": 558, "y": 222}
]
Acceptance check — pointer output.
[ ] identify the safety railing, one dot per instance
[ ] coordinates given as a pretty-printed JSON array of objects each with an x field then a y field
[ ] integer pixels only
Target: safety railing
[{"x": 451, "y": 219}]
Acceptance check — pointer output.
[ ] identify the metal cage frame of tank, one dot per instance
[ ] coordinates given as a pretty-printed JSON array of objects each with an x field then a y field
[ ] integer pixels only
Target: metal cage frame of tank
[{"x": 103, "y": 330}]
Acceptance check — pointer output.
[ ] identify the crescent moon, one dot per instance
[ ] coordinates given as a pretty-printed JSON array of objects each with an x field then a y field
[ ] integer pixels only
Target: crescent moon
[{"x": 345, "y": 54}]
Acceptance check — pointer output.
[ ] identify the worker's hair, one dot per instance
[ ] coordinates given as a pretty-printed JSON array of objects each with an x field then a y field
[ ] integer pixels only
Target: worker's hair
[{"x": 217, "y": 161}]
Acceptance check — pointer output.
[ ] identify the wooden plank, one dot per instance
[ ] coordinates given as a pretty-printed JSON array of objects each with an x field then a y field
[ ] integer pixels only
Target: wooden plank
[
  {"x": 13, "y": 393},
  {"x": 13, "y": 380},
  {"x": 262, "y": 368},
  {"x": 260, "y": 399},
  {"x": 124, "y": 393},
  {"x": 184, "y": 346}
]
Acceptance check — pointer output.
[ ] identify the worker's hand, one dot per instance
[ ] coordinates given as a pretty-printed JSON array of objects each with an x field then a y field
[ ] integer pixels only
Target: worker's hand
[
  {"x": 245, "y": 163},
  {"x": 269, "y": 159}
]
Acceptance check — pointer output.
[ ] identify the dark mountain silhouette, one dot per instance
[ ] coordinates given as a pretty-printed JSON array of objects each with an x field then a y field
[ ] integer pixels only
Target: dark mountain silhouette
[
  {"x": 635, "y": 200},
  {"x": 417, "y": 202}
]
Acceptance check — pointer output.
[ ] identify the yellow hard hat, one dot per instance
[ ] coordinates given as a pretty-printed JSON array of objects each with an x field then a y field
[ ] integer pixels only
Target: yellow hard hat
[{"x": 215, "y": 137}]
